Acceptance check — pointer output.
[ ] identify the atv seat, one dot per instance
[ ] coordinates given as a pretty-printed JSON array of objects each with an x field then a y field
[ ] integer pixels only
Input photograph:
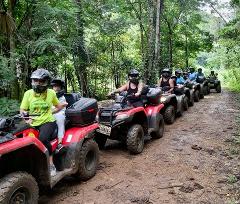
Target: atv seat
[{"x": 71, "y": 98}]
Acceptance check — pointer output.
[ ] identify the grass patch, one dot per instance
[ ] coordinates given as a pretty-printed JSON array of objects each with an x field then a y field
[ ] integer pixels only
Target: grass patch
[
  {"x": 232, "y": 179},
  {"x": 234, "y": 151}
]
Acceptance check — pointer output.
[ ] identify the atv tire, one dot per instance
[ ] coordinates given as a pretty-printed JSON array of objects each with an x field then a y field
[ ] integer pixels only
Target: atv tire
[
  {"x": 205, "y": 90},
  {"x": 88, "y": 160},
  {"x": 185, "y": 103},
  {"x": 201, "y": 95},
  {"x": 169, "y": 114},
  {"x": 191, "y": 102},
  {"x": 135, "y": 139},
  {"x": 196, "y": 96},
  {"x": 218, "y": 89},
  {"x": 159, "y": 133},
  {"x": 18, "y": 187},
  {"x": 100, "y": 140}
]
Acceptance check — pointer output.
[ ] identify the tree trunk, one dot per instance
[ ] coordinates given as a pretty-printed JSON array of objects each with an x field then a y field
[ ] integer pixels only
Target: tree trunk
[
  {"x": 12, "y": 48},
  {"x": 141, "y": 29},
  {"x": 149, "y": 59},
  {"x": 152, "y": 60},
  {"x": 80, "y": 53},
  {"x": 157, "y": 58},
  {"x": 186, "y": 50},
  {"x": 170, "y": 44}
]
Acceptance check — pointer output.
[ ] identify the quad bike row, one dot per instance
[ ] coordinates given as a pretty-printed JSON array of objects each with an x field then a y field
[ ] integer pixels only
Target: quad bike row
[
  {"x": 133, "y": 125},
  {"x": 24, "y": 160}
]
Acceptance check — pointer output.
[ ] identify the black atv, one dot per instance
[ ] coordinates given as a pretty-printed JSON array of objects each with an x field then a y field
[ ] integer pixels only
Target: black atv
[
  {"x": 173, "y": 105},
  {"x": 182, "y": 99},
  {"x": 214, "y": 83},
  {"x": 190, "y": 97},
  {"x": 129, "y": 124},
  {"x": 195, "y": 87},
  {"x": 204, "y": 88}
]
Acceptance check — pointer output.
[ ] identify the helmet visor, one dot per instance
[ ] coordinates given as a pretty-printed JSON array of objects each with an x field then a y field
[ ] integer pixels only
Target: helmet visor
[{"x": 41, "y": 82}]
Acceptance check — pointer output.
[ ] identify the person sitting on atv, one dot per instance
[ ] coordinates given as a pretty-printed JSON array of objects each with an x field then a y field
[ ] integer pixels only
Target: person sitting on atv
[
  {"x": 213, "y": 76},
  {"x": 165, "y": 82},
  {"x": 133, "y": 87},
  {"x": 185, "y": 76},
  {"x": 39, "y": 101},
  {"x": 192, "y": 74},
  {"x": 58, "y": 86},
  {"x": 179, "y": 78},
  {"x": 200, "y": 73}
]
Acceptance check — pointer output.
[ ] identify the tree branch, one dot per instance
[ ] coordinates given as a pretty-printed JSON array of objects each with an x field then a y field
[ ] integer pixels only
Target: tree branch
[{"x": 211, "y": 5}]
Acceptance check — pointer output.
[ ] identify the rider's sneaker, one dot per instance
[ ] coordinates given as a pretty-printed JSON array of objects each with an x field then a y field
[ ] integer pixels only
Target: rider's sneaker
[{"x": 53, "y": 171}]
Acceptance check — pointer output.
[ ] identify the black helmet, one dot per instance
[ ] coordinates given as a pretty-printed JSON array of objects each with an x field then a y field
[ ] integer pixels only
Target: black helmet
[
  {"x": 200, "y": 70},
  {"x": 58, "y": 82},
  {"x": 212, "y": 72},
  {"x": 191, "y": 69},
  {"x": 178, "y": 71},
  {"x": 40, "y": 75},
  {"x": 166, "y": 72},
  {"x": 134, "y": 74}
]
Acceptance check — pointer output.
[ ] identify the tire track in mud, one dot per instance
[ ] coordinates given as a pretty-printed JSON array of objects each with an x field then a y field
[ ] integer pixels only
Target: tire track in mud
[{"x": 190, "y": 164}]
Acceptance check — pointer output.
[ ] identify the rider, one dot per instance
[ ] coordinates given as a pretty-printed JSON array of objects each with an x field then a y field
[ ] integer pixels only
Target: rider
[
  {"x": 200, "y": 73},
  {"x": 200, "y": 76},
  {"x": 133, "y": 87},
  {"x": 58, "y": 86},
  {"x": 192, "y": 74},
  {"x": 39, "y": 101},
  {"x": 213, "y": 75},
  {"x": 179, "y": 78},
  {"x": 165, "y": 82}
]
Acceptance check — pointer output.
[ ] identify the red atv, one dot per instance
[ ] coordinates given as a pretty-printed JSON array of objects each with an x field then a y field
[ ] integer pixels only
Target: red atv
[
  {"x": 24, "y": 160},
  {"x": 131, "y": 124}
]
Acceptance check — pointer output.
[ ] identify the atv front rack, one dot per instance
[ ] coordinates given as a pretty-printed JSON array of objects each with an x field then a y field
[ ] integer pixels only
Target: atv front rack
[{"x": 107, "y": 115}]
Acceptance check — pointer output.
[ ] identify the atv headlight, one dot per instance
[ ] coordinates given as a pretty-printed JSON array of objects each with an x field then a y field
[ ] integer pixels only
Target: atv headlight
[
  {"x": 122, "y": 117},
  {"x": 97, "y": 118},
  {"x": 163, "y": 99}
]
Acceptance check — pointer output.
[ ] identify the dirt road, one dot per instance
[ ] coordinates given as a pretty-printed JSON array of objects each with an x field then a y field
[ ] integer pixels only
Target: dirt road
[{"x": 195, "y": 162}]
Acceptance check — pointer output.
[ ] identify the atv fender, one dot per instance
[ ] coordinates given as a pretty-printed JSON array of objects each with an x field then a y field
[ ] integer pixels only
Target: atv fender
[
  {"x": 170, "y": 99},
  {"x": 19, "y": 143},
  {"x": 131, "y": 115},
  {"x": 76, "y": 134},
  {"x": 73, "y": 139},
  {"x": 28, "y": 157},
  {"x": 153, "y": 122},
  {"x": 180, "y": 102},
  {"x": 153, "y": 114}
]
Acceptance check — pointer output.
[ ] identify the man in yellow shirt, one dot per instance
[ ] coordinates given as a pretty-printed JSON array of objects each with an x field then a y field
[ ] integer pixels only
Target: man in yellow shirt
[{"x": 39, "y": 101}]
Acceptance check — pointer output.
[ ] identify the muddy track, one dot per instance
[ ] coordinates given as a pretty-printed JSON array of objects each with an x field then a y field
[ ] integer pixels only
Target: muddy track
[{"x": 190, "y": 164}]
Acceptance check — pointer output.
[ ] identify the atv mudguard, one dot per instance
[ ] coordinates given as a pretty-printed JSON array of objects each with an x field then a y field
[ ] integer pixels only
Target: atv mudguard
[
  {"x": 19, "y": 143},
  {"x": 132, "y": 114},
  {"x": 180, "y": 99},
  {"x": 172, "y": 98},
  {"x": 73, "y": 140},
  {"x": 154, "y": 116}
]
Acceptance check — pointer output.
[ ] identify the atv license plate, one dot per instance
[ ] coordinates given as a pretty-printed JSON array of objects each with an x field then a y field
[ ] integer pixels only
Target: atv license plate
[{"x": 104, "y": 129}]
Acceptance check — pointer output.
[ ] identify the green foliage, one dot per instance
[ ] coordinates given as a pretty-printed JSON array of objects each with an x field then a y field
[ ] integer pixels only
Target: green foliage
[
  {"x": 8, "y": 107},
  {"x": 110, "y": 38},
  {"x": 6, "y": 73},
  {"x": 232, "y": 179}
]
